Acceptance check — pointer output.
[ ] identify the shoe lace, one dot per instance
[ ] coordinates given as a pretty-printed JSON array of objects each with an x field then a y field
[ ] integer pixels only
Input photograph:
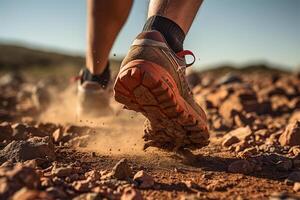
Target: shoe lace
[
  {"x": 182, "y": 70},
  {"x": 184, "y": 53}
]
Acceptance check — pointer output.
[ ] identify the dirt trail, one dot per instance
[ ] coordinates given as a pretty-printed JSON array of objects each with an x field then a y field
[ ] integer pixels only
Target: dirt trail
[{"x": 254, "y": 151}]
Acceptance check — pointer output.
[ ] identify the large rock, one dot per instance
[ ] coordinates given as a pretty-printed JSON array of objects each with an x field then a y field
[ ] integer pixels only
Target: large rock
[
  {"x": 291, "y": 135},
  {"x": 26, "y": 150}
]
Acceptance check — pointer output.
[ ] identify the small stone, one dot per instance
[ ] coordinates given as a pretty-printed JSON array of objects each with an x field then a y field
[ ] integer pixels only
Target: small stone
[
  {"x": 295, "y": 151},
  {"x": 241, "y": 166},
  {"x": 143, "y": 179},
  {"x": 57, "y": 135},
  {"x": 229, "y": 140},
  {"x": 248, "y": 152},
  {"x": 241, "y": 146},
  {"x": 31, "y": 163},
  {"x": 291, "y": 135},
  {"x": 62, "y": 171},
  {"x": 192, "y": 186},
  {"x": 121, "y": 170},
  {"x": 131, "y": 194},
  {"x": 81, "y": 186},
  {"x": 242, "y": 133},
  {"x": 296, "y": 187},
  {"x": 263, "y": 133},
  {"x": 46, "y": 182},
  {"x": 288, "y": 182},
  {"x": 219, "y": 125},
  {"x": 93, "y": 175},
  {"x": 217, "y": 97}
]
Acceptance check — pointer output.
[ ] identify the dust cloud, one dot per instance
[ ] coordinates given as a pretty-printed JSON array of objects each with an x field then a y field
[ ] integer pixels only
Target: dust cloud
[{"x": 119, "y": 133}]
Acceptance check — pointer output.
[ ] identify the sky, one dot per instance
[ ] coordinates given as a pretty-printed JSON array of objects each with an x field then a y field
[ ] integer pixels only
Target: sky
[{"x": 224, "y": 31}]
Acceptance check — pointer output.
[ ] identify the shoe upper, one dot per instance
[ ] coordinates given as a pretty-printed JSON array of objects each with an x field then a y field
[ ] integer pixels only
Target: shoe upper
[
  {"x": 151, "y": 46},
  {"x": 93, "y": 100}
]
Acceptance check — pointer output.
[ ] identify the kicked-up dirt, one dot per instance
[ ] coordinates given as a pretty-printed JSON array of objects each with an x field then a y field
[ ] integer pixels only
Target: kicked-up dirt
[{"x": 46, "y": 152}]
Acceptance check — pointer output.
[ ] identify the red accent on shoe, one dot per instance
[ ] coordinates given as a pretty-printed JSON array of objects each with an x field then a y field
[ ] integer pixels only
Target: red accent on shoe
[{"x": 184, "y": 53}]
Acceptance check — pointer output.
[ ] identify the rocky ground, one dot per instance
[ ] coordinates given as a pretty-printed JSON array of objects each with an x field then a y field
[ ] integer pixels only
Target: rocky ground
[{"x": 254, "y": 150}]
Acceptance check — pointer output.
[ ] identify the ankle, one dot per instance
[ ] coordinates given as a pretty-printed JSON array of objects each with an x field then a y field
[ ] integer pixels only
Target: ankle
[
  {"x": 171, "y": 31},
  {"x": 103, "y": 78}
]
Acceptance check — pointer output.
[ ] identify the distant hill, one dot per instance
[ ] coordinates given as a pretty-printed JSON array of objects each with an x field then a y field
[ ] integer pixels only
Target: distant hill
[
  {"x": 254, "y": 67},
  {"x": 21, "y": 57},
  {"x": 14, "y": 57}
]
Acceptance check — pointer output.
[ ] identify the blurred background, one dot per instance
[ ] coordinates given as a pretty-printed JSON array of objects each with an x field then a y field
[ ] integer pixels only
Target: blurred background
[{"x": 229, "y": 32}]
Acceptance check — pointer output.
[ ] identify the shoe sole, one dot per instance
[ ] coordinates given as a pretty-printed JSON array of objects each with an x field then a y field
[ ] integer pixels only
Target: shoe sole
[{"x": 146, "y": 87}]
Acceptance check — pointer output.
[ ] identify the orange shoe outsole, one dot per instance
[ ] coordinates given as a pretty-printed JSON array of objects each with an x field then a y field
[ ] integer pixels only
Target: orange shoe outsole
[{"x": 145, "y": 87}]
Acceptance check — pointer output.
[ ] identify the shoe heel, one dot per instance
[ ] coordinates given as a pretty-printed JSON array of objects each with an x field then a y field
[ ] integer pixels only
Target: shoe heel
[
  {"x": 133, "y": 85},
  {"x": 148, "y": 88}
]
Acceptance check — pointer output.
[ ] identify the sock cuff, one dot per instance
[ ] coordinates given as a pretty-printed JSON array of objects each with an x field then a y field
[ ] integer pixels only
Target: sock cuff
[
  {"x": 103, "y": 78},
  {"x": 168, "y": 28}
]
